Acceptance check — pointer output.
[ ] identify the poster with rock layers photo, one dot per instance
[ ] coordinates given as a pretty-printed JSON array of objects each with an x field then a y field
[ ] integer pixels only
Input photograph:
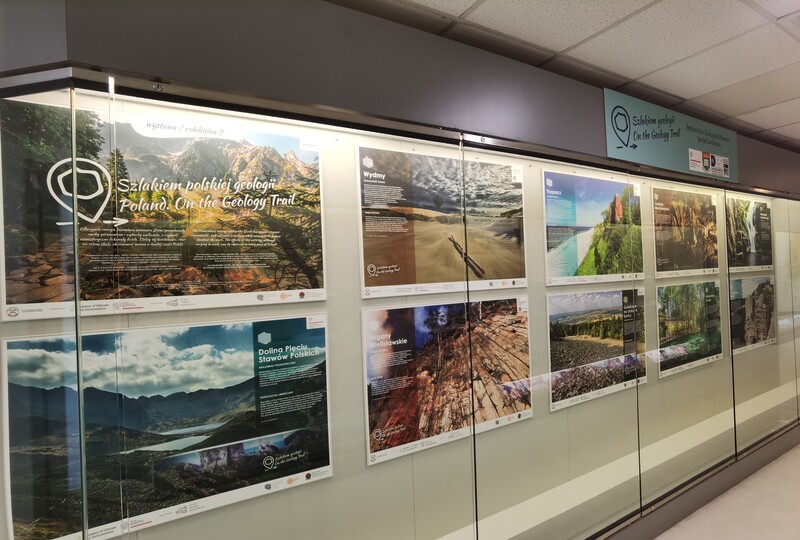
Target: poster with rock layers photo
[
  {"x": 178, "y": 420},
  {"x": 753, "y": 313},
  {"x": 422, "y": 390},
  {"x": 413, "y": 234},
  {"x": 182, "y": 209}
]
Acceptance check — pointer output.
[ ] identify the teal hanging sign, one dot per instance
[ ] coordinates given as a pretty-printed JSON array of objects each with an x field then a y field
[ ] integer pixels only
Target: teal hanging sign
[{"x": 644, "y": 133}]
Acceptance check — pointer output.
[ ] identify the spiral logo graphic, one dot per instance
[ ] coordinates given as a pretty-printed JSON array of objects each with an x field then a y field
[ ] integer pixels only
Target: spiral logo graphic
[
  {"x": 269, "y": 462},
  {"x": 60, "y": 185}
]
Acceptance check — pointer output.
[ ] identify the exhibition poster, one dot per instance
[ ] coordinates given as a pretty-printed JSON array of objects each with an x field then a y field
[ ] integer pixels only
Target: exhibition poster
[
  {"x": 685, "y": 228},
  {"x": 596, "y": 344},
  {"x": 593, "y": 229},
  {"x": 413, "y": 224},
  {"x": 688, "y": 326},
  {"x": 749, "y": 231},
  {"x": 421, "y": 388},
  {"x": 753, "y": 318},
  {"x": 176, "y": 208},
  {"x": 178, "y": 420}
]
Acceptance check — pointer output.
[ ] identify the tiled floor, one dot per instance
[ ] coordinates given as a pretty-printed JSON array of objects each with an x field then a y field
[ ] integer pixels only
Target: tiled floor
[{"x": 765, "y": 506}]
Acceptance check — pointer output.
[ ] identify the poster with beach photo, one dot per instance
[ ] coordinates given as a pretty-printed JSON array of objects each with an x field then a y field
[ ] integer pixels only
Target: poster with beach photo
[
  {"x": 685, "y": 229},
  {"x": 413, "y": 227},
  {"x": 753, "y": 316},
  {"x": 593, "y": 229},
  {"x": 177, "y": 209},
  {"x": 688, "y": 326},
  {"x": 596, "y": 344},
  {"x": 419, "y": 390},
  {"x": 179, "y": 419},
  {"x": 749, "y": 233}
]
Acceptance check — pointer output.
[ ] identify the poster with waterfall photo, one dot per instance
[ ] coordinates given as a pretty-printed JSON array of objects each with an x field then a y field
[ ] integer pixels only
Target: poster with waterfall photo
[
  {"x": 749, "y": 233},
  {"x": 420, "y": 391},
  {"x": 178, "y": 420},
  {"x": 753, "y": 313},
  {"x": 685, "y": 229},
  {"x": 593, "y": 229},
  {"x": 688, "y": 326},
  {"x": 177, "y": 208},
  {"x": 429, "y": 223},
  {"x": 596, "y": 344}
]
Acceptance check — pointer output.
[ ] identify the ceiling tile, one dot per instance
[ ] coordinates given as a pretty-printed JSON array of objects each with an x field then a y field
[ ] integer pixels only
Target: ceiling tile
[
  {"x": 554, "y": 24},
  {"x": 779, "y": 8},
  {"x": 749, "y": 55},
  {"x": 698, "y": 111},
  {"x": 768, "y": 89},
  {"x": 403, "y": 13},
  {"x": 582, "y": 72},
  {"x": 738, "y": 126},
  {"x": 647, "y": 93},
  {"x": 774, "y": 116},
  {"x": 453, "y": 7},
  {"x": 791, "y": 131},
  {"x": 665, "y": 33},
  {"x": 502, "y": 45}
]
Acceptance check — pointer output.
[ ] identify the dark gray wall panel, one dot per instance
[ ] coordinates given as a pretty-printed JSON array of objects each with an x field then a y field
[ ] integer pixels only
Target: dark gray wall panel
[
  {"x": 766, "y": 166},
  {"x": 317, "y": 53},
  {"x": 32, "y": 33}
]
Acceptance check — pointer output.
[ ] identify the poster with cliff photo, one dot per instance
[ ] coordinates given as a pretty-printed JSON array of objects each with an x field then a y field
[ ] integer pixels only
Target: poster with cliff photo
[
  {"x": 749, "y": 233},
  {"x": 413, "y": 227},
  {"x": 419, "y": 388},
  {"x": 596, "y": 344},
  {"x": 753, "y": 319},
  {"x": 685, "y": 228},
  {"x": 688, "y": 326},
  {"x": 178, "y": 420},
  {"x": 593, "y": 229},
  {"x": 184, "y": 208}
]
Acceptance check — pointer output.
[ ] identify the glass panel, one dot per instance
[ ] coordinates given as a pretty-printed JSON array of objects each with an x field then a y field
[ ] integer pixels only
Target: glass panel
[
  {"x": 246, "y": 355},
  {"x": 686, "y": 415},
  {"x": 574, "y": 463},
  {"x": 41, "y": 469},
  {"x": 761, "y": 315}
]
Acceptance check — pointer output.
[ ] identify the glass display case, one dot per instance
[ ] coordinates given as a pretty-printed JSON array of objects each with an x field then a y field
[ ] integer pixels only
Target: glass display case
[{"x": 218, "y": 321}]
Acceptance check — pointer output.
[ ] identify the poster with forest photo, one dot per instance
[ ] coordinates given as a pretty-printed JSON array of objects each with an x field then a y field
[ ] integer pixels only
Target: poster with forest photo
[
  {"x": 593, "y": 229},
  {"x": 749, "y": 232},
  {"x": 178, "y": 420},
  {"x": 753, "y": 313},
  {"x": 688, "y": 326},
  {"x": 685, "y": 229},
  {"x": 420, "y": 391},
  {"x": 177, "y": 208},
  {"x": 596, "y": 344},
  {"x": 413, "y": 210}
]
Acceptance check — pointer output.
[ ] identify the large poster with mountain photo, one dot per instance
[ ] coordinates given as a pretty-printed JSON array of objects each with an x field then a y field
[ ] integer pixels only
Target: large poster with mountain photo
[
  {"x": 749, "y": 233},
  {"x": 593, "y": 229},
  {"x": 179, "y": 208},
  {"x": 413, "y": 233},
  {"x": 178, "y": 420},
  {"x": 420, "y": 391}
]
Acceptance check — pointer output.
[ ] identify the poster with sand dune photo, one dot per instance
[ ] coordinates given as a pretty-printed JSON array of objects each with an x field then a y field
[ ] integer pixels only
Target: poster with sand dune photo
[{"x": 430, "y": 223}]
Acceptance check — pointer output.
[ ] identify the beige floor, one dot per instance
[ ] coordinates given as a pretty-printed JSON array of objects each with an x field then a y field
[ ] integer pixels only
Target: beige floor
[{"x": 765, "y": 506}]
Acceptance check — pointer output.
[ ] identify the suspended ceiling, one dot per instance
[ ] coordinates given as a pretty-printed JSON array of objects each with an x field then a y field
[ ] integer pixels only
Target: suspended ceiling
[{"x": 732, "y": 62}]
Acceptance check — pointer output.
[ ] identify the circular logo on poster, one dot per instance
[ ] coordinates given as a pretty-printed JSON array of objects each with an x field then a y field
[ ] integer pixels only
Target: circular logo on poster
[
  {"x": 88, "y": 184},
  {"x": 269, "y": 462},
  {"x": 12, "y": 312},
  {"x": 372, "y": 270},
  {"x": 377, "y": 435}
]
